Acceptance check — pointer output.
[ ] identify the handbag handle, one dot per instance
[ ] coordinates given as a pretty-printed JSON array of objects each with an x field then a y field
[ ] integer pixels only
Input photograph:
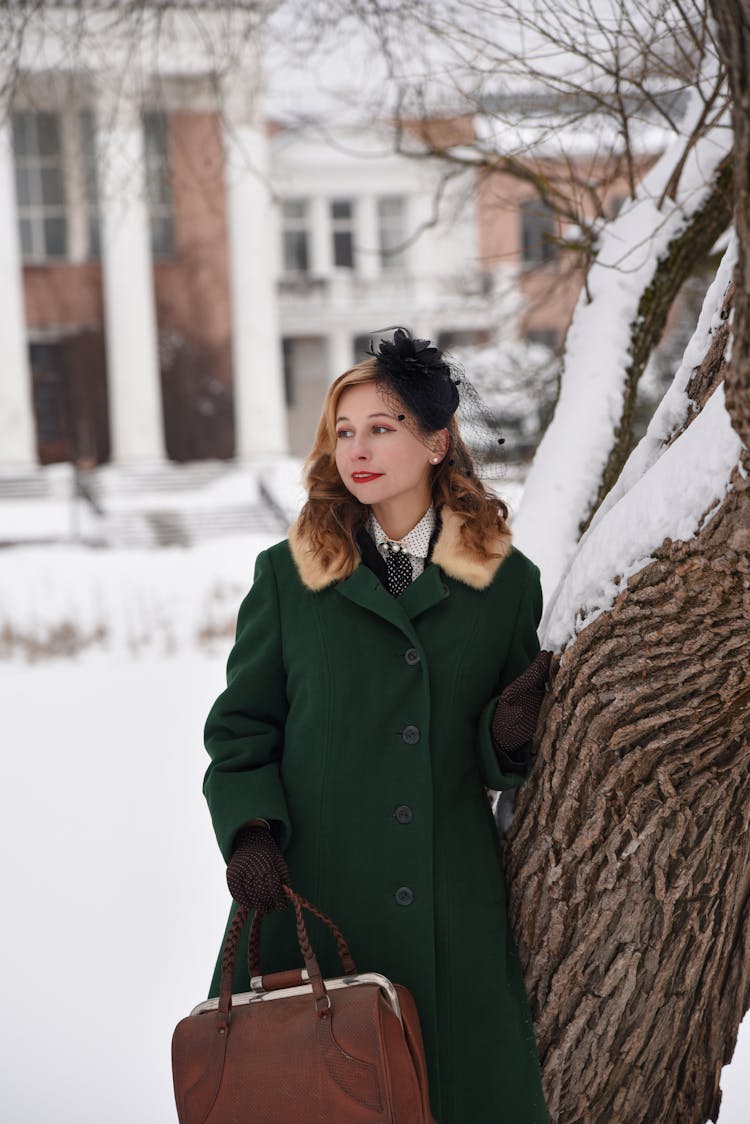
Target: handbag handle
[
  {"x": 231, "y": 944},
  {"x": 253, "y": 943}
]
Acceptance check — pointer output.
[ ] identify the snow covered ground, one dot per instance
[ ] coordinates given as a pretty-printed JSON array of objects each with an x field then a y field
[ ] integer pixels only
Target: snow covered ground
[{"x": 113, "y": 885}]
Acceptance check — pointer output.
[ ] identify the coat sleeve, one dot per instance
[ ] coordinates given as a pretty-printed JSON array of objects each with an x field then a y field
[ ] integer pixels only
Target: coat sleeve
[
  {"x": 244, "y": 732},
  {"x": 524, "y": 645}
]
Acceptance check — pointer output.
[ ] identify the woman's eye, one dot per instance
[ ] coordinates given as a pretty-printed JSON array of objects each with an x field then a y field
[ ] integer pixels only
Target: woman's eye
[{"x": 376, "y": 429}]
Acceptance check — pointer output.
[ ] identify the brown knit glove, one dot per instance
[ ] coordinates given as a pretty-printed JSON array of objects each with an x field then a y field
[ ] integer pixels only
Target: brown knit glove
[
  {"x": 257, "y": 870},
  {"x": 517, "y": 710}
]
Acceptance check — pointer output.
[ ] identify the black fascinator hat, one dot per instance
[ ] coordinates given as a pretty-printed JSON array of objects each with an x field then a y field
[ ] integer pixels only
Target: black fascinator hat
[
  {"x": 415, "y": 375},
  {"x": 416, "y": 372}
]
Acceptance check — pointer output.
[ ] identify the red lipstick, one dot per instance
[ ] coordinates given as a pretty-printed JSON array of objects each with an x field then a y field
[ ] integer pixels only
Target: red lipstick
[{"x": 365, "y": 477}]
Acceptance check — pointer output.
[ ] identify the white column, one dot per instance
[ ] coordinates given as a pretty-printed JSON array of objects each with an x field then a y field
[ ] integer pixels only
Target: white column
[
  {"x": 367, "y": 241},
  {"x": 17, "y": 430},
  {"x": 127, "y": 279},
  {"x": 75, "y": 183},
  {"x": 259, "y": 406},
  {"x": 322, "y": 252},
  {"x": 340, "y": 352}
]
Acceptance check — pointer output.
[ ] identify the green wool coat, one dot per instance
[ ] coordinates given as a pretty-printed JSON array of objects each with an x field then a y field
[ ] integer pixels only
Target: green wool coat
[{"x": 359, "y": 725}]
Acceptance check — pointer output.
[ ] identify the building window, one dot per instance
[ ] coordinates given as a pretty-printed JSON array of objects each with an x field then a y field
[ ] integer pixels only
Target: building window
[
  {"x": 91, "y": 183},
  {"x": 538, "y": 233},
  {"x": 159, "y": 185},
  {"x": 295, "y": 236},
  {"x": 391, "y": 231},
  {"x": 342, "y": 228},
  {"x": 40, "y": 187}
]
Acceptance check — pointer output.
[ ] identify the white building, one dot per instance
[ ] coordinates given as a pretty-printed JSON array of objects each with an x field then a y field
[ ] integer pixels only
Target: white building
[
  {"x": 85, "y": 210},
  {"x": 179, "y": 280},
  {"x": 369, "y": 239}
]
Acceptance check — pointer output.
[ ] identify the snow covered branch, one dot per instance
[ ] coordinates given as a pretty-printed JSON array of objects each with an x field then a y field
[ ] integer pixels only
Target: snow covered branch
[
  {"x": 667, "y": 491},
  {"x": 587, "y": 440}
]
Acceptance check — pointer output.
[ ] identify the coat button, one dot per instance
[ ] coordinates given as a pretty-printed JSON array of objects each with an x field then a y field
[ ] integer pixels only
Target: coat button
[
  {"x": 404, "y": 813},
  {"x": 410, "y": 734},
  {"x": 404, "y": 896},
  {"x": 411, "y": 655}
]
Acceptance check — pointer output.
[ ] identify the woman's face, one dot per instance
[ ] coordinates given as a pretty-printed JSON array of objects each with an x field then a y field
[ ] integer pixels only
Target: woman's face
[{"x": 378, "y": 457}]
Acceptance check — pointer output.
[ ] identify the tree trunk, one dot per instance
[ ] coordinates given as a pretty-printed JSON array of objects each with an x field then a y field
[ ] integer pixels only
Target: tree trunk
[{"x": 629, "y": 856}]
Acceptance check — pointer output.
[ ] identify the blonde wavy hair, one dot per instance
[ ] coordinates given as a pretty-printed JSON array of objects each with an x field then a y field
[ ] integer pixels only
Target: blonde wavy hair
[{"x": 331, "y": 517}]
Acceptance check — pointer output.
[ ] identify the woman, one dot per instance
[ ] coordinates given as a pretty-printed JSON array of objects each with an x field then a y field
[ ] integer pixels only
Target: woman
[{"x": 374, "y": 693}]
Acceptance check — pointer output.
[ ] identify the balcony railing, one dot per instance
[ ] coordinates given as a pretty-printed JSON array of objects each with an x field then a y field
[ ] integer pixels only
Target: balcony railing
[{"x": 308, "y": 291}]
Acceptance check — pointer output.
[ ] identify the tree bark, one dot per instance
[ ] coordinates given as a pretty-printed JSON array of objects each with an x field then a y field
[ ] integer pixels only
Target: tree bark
[
  {"x": 707, "y": 377},
  {"x": 629, "y": 856}
]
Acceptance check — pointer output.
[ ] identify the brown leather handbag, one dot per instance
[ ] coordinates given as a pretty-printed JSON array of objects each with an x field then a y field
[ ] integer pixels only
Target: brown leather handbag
[{"x": 297, "y": 1049}]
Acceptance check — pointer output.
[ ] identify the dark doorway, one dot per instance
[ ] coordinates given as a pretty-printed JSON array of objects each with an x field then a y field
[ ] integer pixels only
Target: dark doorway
[
  {"x": 197, "y": 399},
  {"x": 70, "y": 399},
  {"x": 51, "y": 407}
]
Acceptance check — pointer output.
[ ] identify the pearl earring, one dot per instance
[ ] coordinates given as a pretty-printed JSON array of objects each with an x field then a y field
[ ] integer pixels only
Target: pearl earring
[{"x": 435, "y": 460}]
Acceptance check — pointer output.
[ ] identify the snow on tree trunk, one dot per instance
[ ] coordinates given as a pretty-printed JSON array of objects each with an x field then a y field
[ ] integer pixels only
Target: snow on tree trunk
[
  {"x": 688, "y": 394},
  {"x": 630, "y": 287},
  {"x": 685, "y": 478},
  {"x": 628, "y": 859}
]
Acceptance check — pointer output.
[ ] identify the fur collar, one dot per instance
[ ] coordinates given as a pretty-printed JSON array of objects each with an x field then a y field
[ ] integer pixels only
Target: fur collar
[{"x": 449, "y": 553}]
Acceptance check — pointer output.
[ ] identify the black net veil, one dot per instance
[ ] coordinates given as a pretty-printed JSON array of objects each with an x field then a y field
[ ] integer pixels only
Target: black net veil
[{"x": 413, "y": 374}]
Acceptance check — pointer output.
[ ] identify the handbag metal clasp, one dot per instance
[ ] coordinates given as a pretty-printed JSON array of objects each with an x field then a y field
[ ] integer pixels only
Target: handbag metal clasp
[{"x": 258, "y": 995}]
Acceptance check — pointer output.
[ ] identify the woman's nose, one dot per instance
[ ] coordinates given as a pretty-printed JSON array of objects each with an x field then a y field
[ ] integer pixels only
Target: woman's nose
[{"x": 359, "y": 450}]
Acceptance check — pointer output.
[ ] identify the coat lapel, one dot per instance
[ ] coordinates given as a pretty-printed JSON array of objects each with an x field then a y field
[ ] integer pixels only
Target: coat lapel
[
  {"x": 365, "y": 589},
  {"x": 427, "y": 590}
]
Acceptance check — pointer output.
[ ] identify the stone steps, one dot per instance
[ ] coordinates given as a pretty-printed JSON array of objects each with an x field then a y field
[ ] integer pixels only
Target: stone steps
[
  {"x": 153, "y": 506},
  {"x": 114, "y": 480},
  {"x": 165, "y": 527},
  {"x": 50, "y": 482}
]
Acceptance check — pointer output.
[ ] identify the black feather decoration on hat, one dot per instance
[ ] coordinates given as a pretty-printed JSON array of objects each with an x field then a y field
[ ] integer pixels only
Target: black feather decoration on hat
[{"x": 416, "y": 372}]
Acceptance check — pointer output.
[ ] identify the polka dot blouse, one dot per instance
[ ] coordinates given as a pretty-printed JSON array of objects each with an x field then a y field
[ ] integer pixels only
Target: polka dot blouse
[{"x": 415, "y": 545}]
